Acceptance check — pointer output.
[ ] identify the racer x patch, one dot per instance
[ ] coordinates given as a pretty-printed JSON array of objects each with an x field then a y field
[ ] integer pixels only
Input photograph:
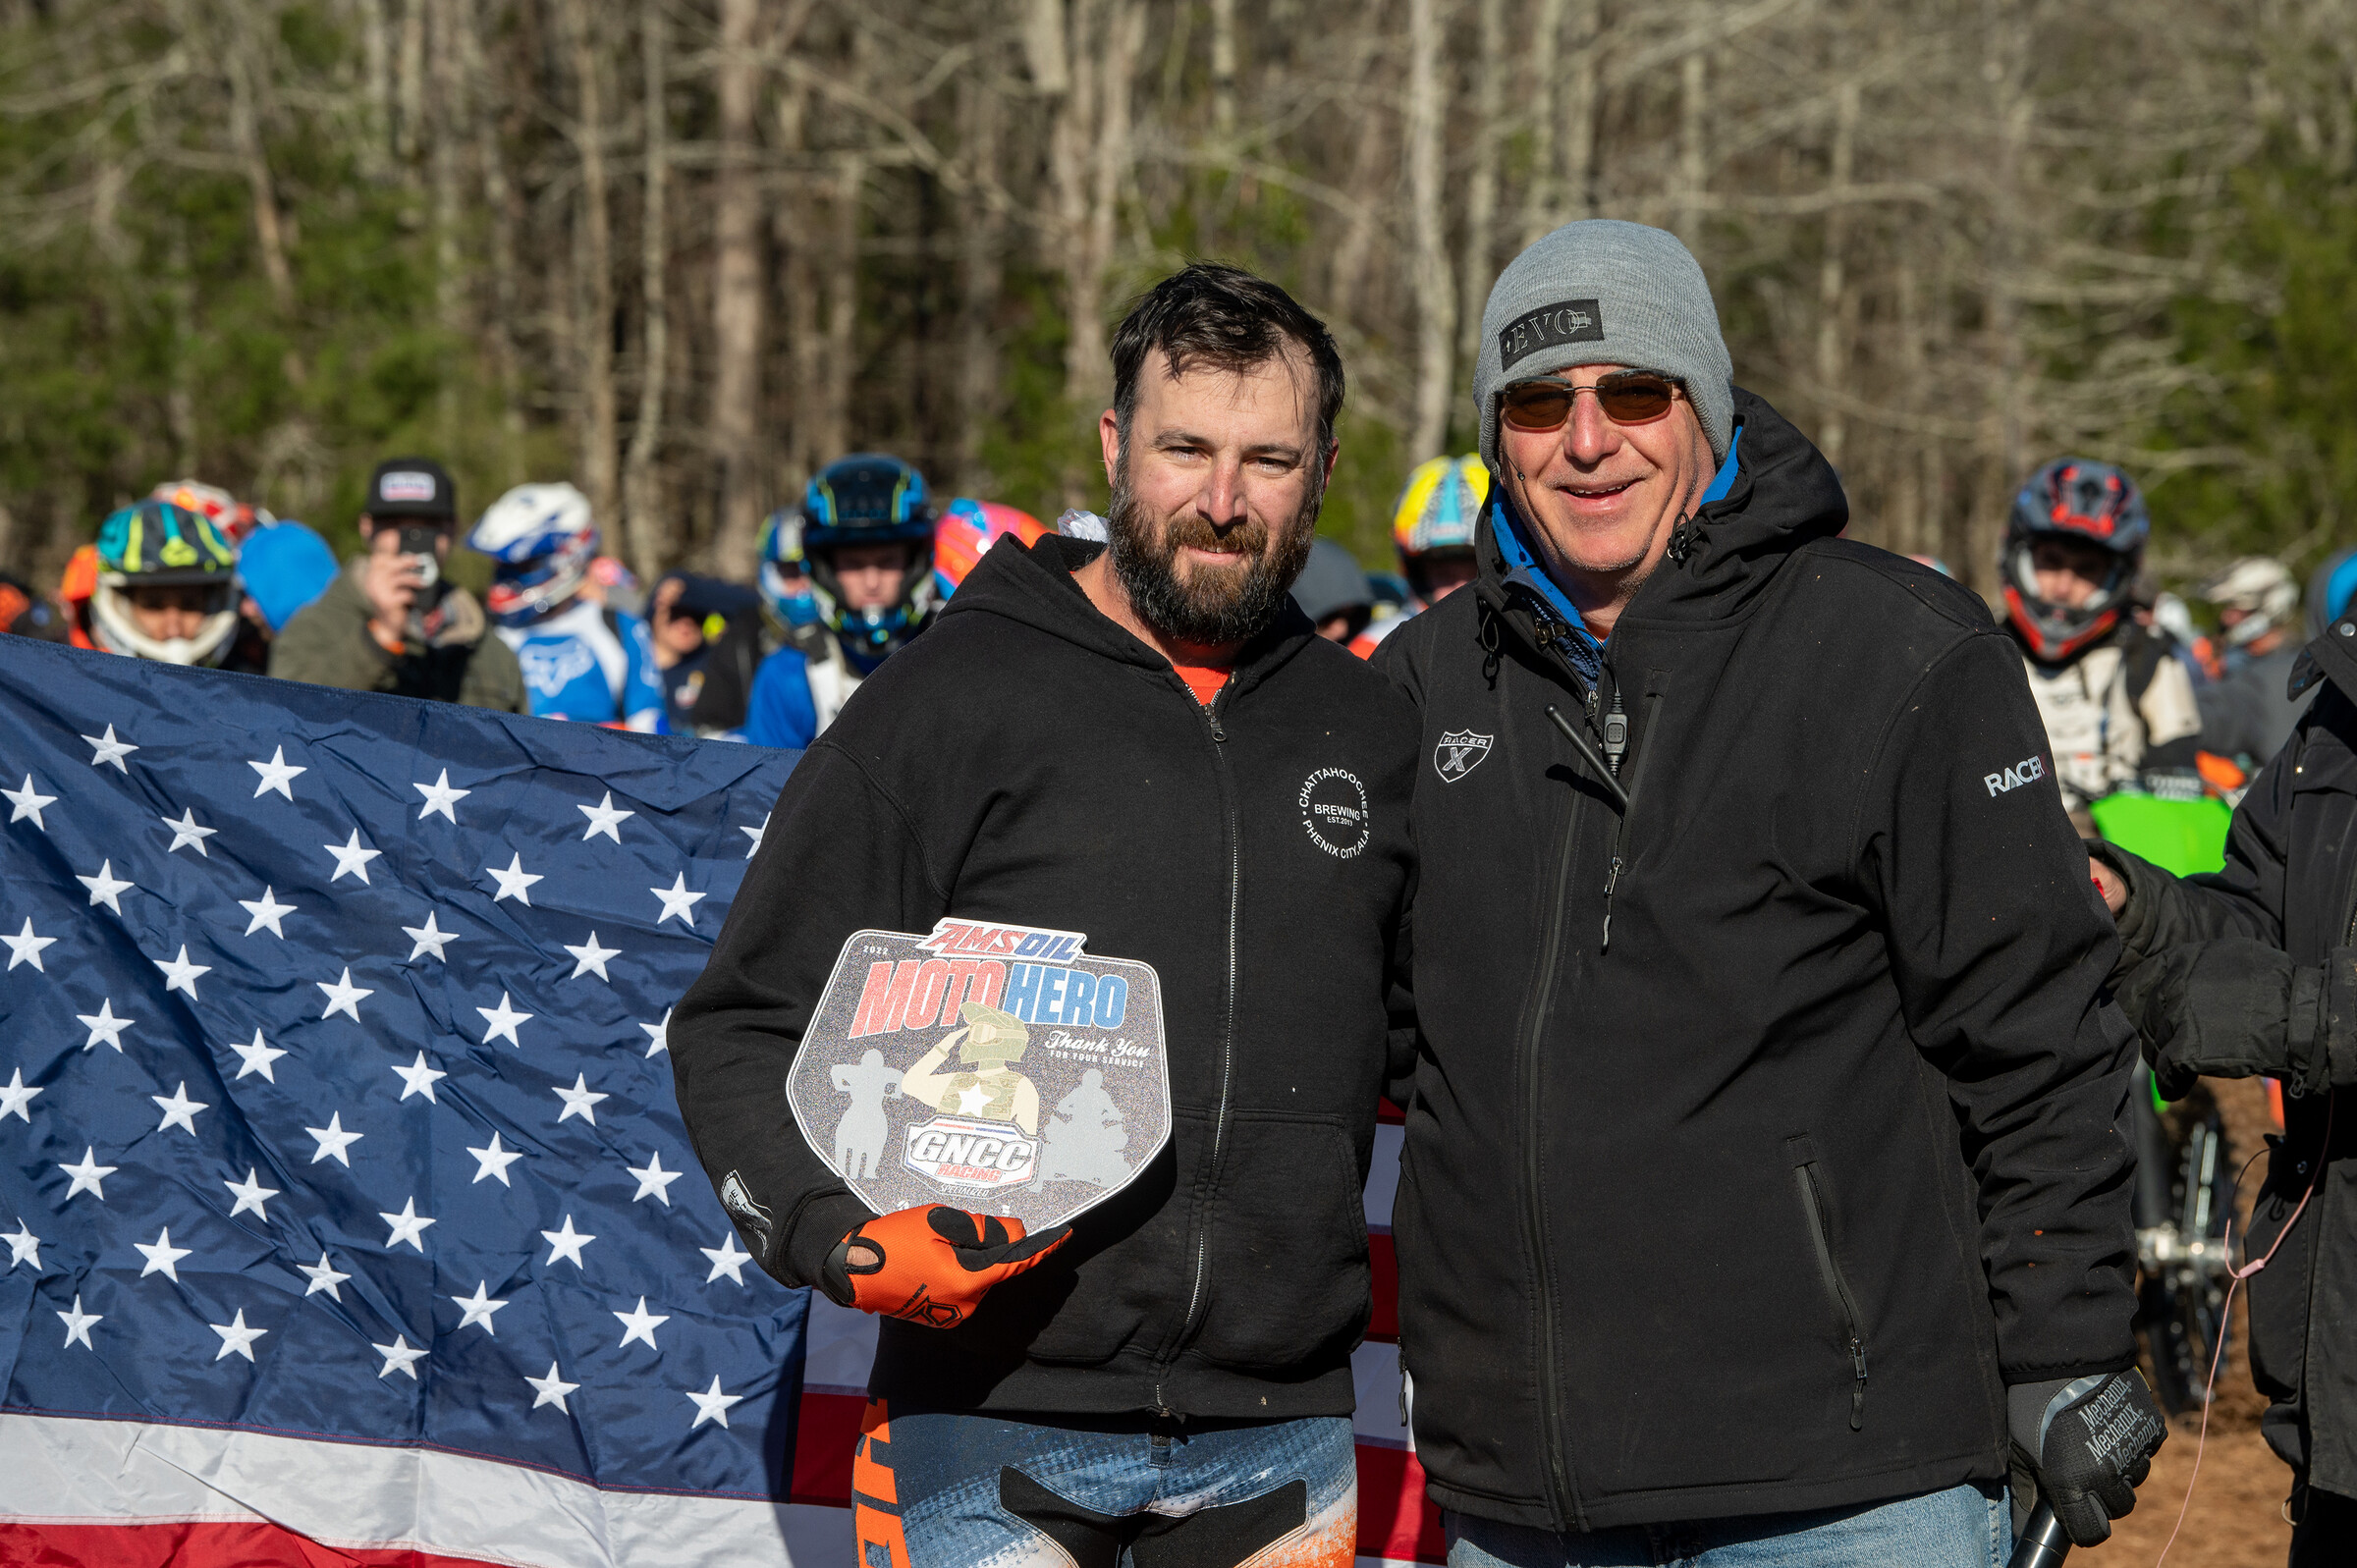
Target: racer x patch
[
  {"x": 1460, "y": 752},
  {"x": 2026, "y": 770}
]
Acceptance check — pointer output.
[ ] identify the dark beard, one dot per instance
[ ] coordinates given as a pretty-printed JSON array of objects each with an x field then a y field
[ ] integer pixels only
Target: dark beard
[{"x": 1226, "y": 605}]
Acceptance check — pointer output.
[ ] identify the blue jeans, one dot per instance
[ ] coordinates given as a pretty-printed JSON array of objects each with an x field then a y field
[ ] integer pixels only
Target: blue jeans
[
  {"x": 1963, "y": 1527},
  {"x": 953, "y": 1491}
]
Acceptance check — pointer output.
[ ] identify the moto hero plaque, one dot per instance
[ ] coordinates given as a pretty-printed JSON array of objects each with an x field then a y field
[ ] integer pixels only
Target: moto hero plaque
[{"x": 1000, "y": 1069}]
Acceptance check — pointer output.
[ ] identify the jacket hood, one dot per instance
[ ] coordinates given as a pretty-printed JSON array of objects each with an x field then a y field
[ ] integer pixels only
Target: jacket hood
[
  {"x": 1032, "y": 585},
  {"x": 2330, "y": 657},
  {"x": 1784, "y": 496}
]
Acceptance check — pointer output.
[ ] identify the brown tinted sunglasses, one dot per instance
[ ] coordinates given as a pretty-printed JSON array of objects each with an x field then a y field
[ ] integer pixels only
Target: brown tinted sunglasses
[{"x": 1626, "y": 396}]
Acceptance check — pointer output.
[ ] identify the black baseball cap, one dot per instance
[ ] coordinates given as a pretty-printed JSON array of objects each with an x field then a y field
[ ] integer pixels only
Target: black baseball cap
[{"x": 412, "y": 487}]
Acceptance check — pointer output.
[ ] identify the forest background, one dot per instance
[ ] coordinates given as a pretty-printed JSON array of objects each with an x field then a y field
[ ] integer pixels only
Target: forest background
[{"x": 683, "y": 251}]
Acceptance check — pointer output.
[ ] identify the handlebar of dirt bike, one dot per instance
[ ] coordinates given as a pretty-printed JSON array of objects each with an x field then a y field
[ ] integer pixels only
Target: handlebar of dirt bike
[{"x": 2042, "y": 1543}]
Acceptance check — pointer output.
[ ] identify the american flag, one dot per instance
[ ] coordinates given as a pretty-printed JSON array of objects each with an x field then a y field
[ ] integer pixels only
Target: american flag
[{"x": 350, "y": 1203}]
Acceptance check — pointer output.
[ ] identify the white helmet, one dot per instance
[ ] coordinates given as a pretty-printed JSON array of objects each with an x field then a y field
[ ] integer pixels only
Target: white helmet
[
  {"x": 2261, "y": 588},
  {"x": 542, "y": 538}
]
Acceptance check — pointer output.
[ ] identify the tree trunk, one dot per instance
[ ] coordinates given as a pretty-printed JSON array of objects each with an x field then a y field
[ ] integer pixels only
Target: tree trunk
[
  {"x": 1481, "y": 187},
  {"x": 452, "y": 109},
  {"x": 832, "y": 419},
  {"x": 642, "y": 491},
  {"x": 412, "y": 88},
  {"x": 980, "y": 272},
  {"x": 1428, "y": 240},
  {"x": 593, "y": 261},
  {"x": 1223, "y": 67},
  {"x": 499, "y": 198},
  {"x": 1578, "y": 181},
  {"x": 1542, "y": 198},
  {"x": 736, "y": 292},
  {"x": 246, "y": 72},
  {"x": 1693, "y": 166},
  {"x": 1833, "y": 294}
]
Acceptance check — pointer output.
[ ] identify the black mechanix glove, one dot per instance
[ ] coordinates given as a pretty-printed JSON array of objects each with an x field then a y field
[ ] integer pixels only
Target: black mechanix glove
[{"x": 2090, "y": 1444}]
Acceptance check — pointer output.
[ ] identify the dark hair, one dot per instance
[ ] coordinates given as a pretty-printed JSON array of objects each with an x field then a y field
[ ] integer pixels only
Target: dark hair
[{"x": 1207, "y": 313}]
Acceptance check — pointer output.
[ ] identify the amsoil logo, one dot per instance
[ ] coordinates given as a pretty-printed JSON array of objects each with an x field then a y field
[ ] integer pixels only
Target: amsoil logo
[
  {"x": 958, "y": 1153},
  {"x": 1460, "y": 752},
  {"x": 1334, "y": 808},
  {"x": 2013, "y": 778}
]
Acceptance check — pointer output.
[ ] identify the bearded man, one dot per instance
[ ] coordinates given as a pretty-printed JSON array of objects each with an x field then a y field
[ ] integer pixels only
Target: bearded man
[{"x": 1114, "y": 739}]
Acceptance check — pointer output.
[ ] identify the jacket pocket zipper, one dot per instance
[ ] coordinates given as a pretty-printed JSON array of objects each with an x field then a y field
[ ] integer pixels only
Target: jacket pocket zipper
[{"x": 1812, "y": 1203}]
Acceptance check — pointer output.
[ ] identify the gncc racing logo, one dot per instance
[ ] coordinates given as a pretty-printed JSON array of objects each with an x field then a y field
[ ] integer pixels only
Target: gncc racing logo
[
  {"x": 958, "y": 1153},
  {"x": 1460, "y": 752},
  {"x": 1334, "y": 808}
]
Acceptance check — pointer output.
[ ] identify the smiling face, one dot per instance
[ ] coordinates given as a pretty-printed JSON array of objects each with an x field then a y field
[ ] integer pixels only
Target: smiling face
[
  {"x": 1215, "y": 488},
  {"x": 1602, "y": 497}
]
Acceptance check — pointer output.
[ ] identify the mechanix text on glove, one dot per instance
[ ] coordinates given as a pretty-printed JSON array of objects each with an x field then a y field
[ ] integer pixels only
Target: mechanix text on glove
[{"x": 2090, "y": 1441}]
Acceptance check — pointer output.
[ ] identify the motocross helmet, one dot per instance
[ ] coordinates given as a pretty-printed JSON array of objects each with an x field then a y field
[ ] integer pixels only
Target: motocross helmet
[
  {"x": 785, "y": 574},
  {"x": 541, "y": 540},
  {"x": 2094, "y": 504},
  {"x": 233, "y": 518},
  {"x": 2261, "y": 588},
  {"x": 1435, "y": 514},
  {"x": 865, "y": 500},
  {"x": 157, "y": 544},
  {"x": 965, "y": 533}
]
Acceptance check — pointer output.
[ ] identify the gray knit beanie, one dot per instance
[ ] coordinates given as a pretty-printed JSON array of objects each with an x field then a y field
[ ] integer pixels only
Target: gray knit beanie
[{"x": 1604, "y": 291}]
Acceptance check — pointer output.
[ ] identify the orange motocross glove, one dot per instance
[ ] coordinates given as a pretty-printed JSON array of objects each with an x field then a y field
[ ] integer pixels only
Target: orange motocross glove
[{"x": 934, "y": 1265}]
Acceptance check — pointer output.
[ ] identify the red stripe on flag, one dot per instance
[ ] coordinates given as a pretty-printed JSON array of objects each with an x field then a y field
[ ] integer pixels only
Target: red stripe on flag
[
  {"x": 1385, "y": 1111},
  {"x": 1395, "y": 1520},
  {"x": 1384, "y": 1325},
  {"x": 822, "y": 1448},
  {"x": 196, "y": 1545}
]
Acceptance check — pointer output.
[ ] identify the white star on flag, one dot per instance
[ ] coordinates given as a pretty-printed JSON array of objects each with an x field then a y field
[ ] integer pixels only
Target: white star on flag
[
  {"x": 551, "y": 1390},
  {"x": 22, "y": 1245},
  {"x": 26, "y": 948},
  {"x": 162, "y": 1257},
  {"x": 400, "y": 1355},
  {"x": 493, "y": 1160},
  {"x": 566, "y": 1243},
  {"x": 89, "y": 1177},
  {"x": 440, "y": 796},
  {"x": 428, "y": 936},
  {"x": 180, "y": 1110},
  {"x": 658, "y": 1035},
  {"x": 419, "y": 1079},
  {"x": 478, "y": 1308},
  {"x": 257, "y": 1057},
  {"x": 107, "y": 749},
  {"x": 334, "y": 1140},
  {"x": 15, "y": 1098},
  {"x": 78, "y": 1325},
  {"x": 580, "y": 1101},
  {"x": 28, "y": 802},
  {"x": 678, "y": 901},
  {"x": 236, "y": 1336},
  {"x": 351, "y": 857},
  {"x": 105, "y": 888},
  {"x": 277, "y": 774},
  {"x": 515, "y": 881},
  {"x": 653, "y": 1179},
  {"x": 343, "y": 995},
  {"x": 588, "y": 957},
  {"x": 725, "y": 1259},
  {"x": 180, "y": 974},
  {"x": 104, "y": 1025},
  {"x": 323, "y": 1277},
  {"x": 755, "y": 834},
  {"x": 407, "y": 1225},
  {"x": 603, "y": 817},
  {"x": 250, "y": 1194},
  {"x": 186, "y": 831},
  {"x": 711, "y": 1404},
  {"x": 266, "y": 911},
  {"x": 640, "y": 1324},
  {"x": 501, "y": 1020}
]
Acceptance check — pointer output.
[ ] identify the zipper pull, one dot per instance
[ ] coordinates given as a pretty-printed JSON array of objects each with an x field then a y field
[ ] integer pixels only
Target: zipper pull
[
  {"x": 1616, "y": 733},
  {"x": 1404, "y": 1420},
  {"x": 1593, "y": 696},
  {"x": 1612, "y": 879},
  {"x": 1858, "y": 1392},
  {"x": 1217, "y": 734}
]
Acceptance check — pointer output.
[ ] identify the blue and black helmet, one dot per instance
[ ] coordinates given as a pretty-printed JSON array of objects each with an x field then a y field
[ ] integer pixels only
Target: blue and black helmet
[{"x": 870, "y": 499}]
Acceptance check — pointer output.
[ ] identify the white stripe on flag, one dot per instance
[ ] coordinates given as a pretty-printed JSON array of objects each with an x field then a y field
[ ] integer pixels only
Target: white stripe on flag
[{"x": 57, "y": 1470}]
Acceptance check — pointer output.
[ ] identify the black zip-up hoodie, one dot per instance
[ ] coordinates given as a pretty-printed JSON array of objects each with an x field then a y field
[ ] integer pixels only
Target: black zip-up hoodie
[
  {"x": 1759, "y": 1205},
  {"x": 1026, "y": 760}
]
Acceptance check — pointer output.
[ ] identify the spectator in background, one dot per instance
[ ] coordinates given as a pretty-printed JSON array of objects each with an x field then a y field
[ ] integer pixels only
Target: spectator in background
[
  {"x": 2249, "y": 712},
  {"x": 583, "y": 658},
  {"x": 2330, "y": 590},
  {"x": 1333, "y": 592},
  {"x": 282, "y": 568},
  {"x": 392, "y": 622},
  {"x": 967, "y": 530},
  {"x": 166, "y": 586},
  {"x": 1432, "y": 529},
  {"x": 24, "y": 612},
  {"x": 691, "y": 620}
]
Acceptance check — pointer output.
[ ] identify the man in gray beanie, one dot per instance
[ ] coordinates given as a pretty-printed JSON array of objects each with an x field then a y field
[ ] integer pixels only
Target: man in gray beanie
[{"x": 1761, "y": 1199}]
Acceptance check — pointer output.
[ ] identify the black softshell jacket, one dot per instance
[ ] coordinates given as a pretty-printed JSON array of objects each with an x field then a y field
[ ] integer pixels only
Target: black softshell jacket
[
  {"x": 1028, "y": 761},
  {"x": 2290, "y": 889},
  {"x": 1760, "y": 1206}
]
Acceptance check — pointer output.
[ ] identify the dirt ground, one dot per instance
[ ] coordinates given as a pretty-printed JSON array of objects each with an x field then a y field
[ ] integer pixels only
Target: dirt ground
[{"x": 2235, "y": 1519}]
